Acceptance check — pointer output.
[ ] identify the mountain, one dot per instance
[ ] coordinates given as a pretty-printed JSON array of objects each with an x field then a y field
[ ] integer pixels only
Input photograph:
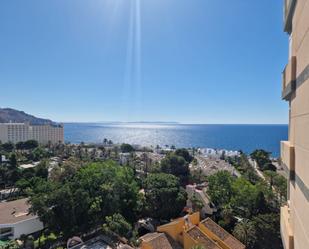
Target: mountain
[{"x": 8, "y": 115}]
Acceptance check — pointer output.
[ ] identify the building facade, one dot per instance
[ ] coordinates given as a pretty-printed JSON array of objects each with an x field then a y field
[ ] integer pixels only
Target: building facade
[
  {"x": 295, "y": 152},
  {"x": 15, "y": 220},
  {"x": 20, "y": 132},
  {"x": 190, "y": 231}
]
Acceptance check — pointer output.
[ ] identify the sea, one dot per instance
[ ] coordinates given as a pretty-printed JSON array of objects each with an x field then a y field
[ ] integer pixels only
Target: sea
[{"x": 217, "y": 136}]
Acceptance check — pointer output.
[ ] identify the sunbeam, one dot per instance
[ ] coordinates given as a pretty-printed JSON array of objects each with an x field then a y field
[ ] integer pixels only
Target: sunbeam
[{"x": 132, "y": 90}]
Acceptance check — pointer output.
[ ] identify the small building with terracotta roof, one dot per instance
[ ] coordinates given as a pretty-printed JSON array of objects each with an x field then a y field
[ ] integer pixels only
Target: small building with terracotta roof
[
  {"x": 189, "y": 231},
  {"x": 15, "y": 220},
  {"x": 217, "y": 233},
  {"x": 154, "y": 241}
]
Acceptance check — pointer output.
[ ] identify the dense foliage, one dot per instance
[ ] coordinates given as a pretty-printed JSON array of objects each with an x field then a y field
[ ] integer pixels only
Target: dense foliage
[
  {"x": 177, "y": 164},
  {"x": 77, "y": 205},
  {"x": 164, "y": 196},
  {"x": 252, "y": 203},
  {"x": 87, "y": 189}
]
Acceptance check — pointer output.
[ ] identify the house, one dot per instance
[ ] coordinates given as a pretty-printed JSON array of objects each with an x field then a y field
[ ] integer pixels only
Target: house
[
  {"x": 189, "y": 231},
  {"x": 154, "y": 241},
  {"x": 219, "y": 235},
  {"x": 15, "y": 220},
  {"x": 199, "y": 192}
]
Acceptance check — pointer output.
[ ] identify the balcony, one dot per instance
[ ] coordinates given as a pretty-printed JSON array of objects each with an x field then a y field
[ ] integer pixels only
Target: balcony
[
  {"x": 289, "y": 79},
  {"x": 289, "y": 7},
  {"x": 288, "y": 158},
  {"x": 286, "y": 229}
]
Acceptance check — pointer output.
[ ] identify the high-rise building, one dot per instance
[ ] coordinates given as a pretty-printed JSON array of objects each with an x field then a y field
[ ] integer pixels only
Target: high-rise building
[
  {"x": 20, "y": 132},
  {"x": 295, "y": 152}
]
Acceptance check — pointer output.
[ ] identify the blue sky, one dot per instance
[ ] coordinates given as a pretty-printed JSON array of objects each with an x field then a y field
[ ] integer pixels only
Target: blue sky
[{"x": 191, "y": 61}]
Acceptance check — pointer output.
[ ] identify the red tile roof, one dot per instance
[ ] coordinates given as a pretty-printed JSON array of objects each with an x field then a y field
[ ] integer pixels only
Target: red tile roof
[
  {"x": 227, "y": 238},
  {"x": 157, "y": 240},
  {"x": 202, "y": 239}
]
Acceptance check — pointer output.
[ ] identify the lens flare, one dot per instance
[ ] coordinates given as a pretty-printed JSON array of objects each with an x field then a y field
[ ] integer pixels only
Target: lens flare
[{"x": 132, "y": 91}]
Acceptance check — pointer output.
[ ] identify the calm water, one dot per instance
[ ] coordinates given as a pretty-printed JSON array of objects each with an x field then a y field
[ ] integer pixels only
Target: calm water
[{"x": 231, "y": 137}]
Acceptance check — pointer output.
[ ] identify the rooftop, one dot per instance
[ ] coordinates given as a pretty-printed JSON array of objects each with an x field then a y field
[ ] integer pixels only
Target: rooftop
[
  {"x": 227, "y": 238},
  {"x": 196, "y": 234},
  {"x": 157, "y": 240},
  {"x": 15, "y": 211}
]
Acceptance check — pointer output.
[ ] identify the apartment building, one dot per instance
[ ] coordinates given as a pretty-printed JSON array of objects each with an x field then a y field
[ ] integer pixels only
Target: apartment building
[
  {"x": 188, "y": 232},
  {"x": 18, "y": 132},
  {"x": 295, "y": 152}
]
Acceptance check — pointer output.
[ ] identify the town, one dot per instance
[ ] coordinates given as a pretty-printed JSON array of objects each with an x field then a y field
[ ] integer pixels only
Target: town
[
  {"x": 158, "y": 124},
  {"x": 62, "y": 195}
]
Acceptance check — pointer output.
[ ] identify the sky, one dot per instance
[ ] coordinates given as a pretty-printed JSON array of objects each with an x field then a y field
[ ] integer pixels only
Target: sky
[{"x": 188, "y": 61}]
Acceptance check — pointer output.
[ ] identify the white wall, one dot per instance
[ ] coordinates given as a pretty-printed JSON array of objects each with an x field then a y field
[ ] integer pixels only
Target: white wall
[
  {"x": 3, "y": 133},
  {"x": 25, "y": 227}
]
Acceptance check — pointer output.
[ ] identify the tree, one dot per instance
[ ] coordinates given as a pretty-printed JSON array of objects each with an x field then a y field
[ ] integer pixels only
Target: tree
[
  {"x": 245, "y": 232},
  {"x": 227, "y": 216},
  {"x": 165, "y": 198},
  {"x": 13, "y": 161},
  {"x": 11, "y": 245},
  {"x": 280, "y": 184},
  {"x": 261, "y": 157},
  {"x": 42, "y": 169},
  {"x": 185, "y": 154},
  {"x": 117, "y": 224},
  {"x": 20, "y": 146},
  {"x": 220, "y": 188},
  {"x": 270, "y": 175},
  {"x": 267, "y": 228},
  {"x": 269, "y": 166},
  {"x": 126, "y": 148},
  {"x": 197, "y": 204},
  {"x": 244, "y": 197},
  {"x": 66, "y": 171},
  {"x": 38, "y": 154},
  {"x": 263, "y": 187},
  {"x": 177, "y": 166},
  {"x": 260, "y": 204},
  {"x": 31, "y": 144},
  {"x": 8, "y": 147},
  {"x": 82, "y": 202}
]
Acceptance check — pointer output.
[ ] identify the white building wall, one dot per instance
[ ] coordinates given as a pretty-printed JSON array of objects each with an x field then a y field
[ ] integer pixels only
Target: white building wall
[
  {"x": 20, "y": 132},
  {"x": 24, "y": 227},
  {"x": 3, "y": 133},
  {"x": 27, "y": 227}
]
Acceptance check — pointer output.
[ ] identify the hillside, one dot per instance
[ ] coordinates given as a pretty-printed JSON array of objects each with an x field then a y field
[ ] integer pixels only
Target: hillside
[{"x": 10, "y": 115}]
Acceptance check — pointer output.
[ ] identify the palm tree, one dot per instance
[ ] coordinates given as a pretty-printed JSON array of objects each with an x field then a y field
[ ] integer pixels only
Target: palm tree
[
  {"x": 227, "y": 214},
  {"x": 246, "y": 233}
]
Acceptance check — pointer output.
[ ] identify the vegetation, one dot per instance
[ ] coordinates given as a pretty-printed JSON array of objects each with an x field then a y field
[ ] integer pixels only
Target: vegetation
[
  {"x": 100, "y": 189},
  {"x": 262, "y": 159},
  {"x": 239, "y": 199},
  {"x": 126, "y": 148},
  {"x": 87, "y": 190},
  {"x": 10, "y": 245},
  {"x": 164, "y": 197},
  {"x": 245, "y": 231},
  {"x": 116, "y": 224},
  {"x": 177, "y": 164}
]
